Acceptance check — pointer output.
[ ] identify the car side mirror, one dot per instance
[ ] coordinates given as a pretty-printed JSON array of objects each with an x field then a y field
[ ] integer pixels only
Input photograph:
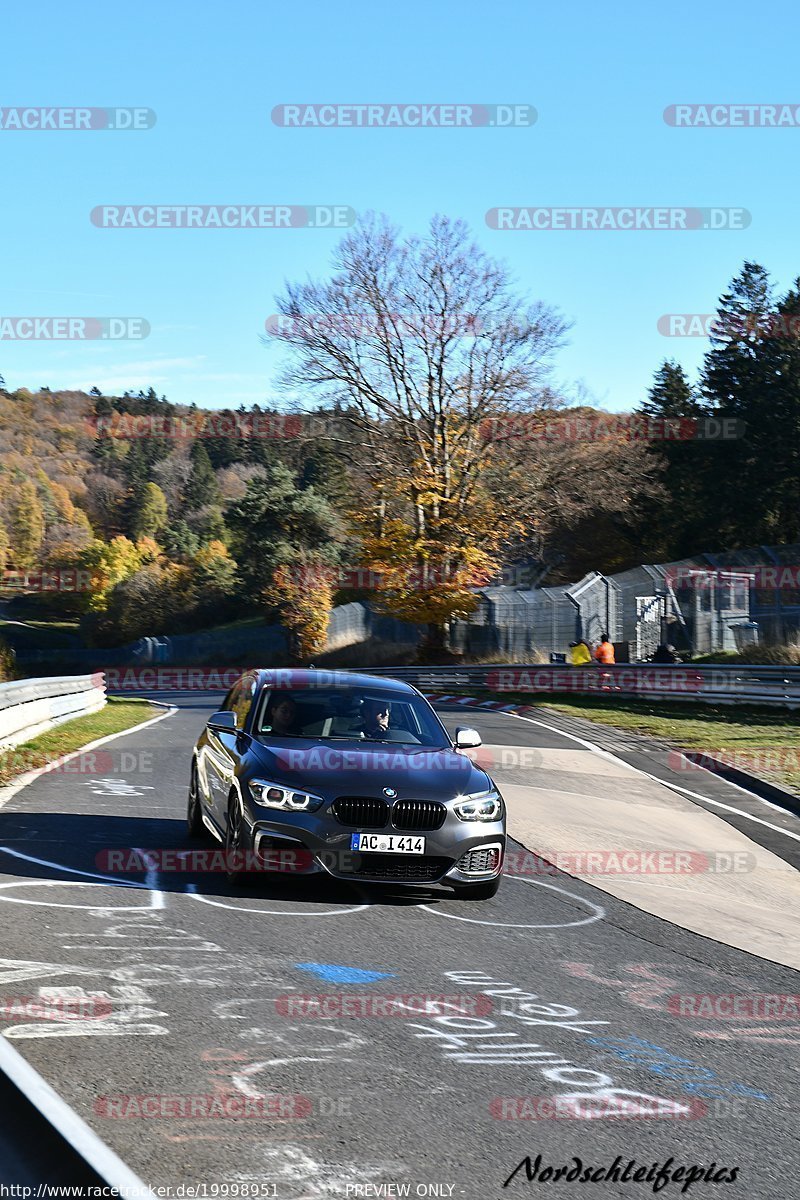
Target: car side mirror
[
  {"x": 466, "y": 739},
  {"x": 223, "y": 721}
]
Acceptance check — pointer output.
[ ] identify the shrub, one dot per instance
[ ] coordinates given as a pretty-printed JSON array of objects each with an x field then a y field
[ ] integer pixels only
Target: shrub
[{"x": 7, "y": 663}]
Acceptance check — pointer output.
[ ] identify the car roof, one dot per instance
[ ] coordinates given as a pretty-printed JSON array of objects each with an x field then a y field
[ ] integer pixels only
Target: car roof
[{"x": 288, "y": 677}]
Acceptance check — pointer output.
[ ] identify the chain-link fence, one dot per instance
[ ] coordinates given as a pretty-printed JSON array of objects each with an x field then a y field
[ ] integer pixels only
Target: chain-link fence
[{"x": 693, "y": 604}]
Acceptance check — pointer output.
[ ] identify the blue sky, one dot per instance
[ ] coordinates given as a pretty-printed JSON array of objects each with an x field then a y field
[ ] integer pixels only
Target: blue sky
[{"x": 599, "y": 76}]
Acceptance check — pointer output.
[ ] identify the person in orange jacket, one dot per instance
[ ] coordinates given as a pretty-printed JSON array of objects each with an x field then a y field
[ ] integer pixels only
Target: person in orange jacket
[{"x": 604, "y": 654}]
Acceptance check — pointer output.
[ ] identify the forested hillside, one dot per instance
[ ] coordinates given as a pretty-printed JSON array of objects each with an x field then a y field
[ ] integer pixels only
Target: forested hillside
[{"x": 151, "y": 517}]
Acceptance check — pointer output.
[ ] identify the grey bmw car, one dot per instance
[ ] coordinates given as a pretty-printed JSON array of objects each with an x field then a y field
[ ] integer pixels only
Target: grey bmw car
[{"x": 310, "y": 771}]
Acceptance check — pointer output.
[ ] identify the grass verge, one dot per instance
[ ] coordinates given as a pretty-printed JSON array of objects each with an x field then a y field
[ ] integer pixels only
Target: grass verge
[
  {"x": 116, "y": 717},
  {"x": 761, "y": 741}
]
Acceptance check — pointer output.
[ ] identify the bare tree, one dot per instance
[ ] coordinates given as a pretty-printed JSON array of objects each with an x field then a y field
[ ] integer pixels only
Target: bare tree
[
  {"x": 103, "y": 502},
  {"x": 171, "y": 475},
  {"x": 422, "y": 349}
]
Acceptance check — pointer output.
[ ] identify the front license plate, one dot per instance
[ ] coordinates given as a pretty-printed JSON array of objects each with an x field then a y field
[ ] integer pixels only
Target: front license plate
[{"x": 387, "y": 843}]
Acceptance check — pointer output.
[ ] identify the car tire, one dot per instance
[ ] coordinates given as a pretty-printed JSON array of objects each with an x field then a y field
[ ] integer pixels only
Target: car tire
[
  {"x": 478, "y": 891},
  {"x": 234, "y": 841},
  {"x": 194, "y": 817}
]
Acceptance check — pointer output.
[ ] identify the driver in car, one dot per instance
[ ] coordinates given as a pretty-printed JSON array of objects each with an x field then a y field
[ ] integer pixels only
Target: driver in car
[{"x": 375, "y": 720}]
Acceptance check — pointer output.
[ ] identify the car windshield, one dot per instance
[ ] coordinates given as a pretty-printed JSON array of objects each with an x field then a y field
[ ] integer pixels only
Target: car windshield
[{"x": 356, "y": 713}]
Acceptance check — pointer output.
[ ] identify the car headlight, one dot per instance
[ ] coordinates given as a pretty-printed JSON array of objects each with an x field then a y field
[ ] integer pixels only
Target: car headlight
[
  {"x": 481, "y": 806},
  {"x": 274, "y": 795}
]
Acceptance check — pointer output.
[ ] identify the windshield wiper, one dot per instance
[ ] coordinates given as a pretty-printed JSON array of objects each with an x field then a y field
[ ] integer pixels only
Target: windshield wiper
[
  {"x": 394, "y": 742},
  {"x": 338, "y": 737},
  {"x": 269, "y": 734}
]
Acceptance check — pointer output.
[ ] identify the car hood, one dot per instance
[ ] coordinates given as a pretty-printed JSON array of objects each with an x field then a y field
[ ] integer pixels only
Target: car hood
[{"x": 345, "y": 768}]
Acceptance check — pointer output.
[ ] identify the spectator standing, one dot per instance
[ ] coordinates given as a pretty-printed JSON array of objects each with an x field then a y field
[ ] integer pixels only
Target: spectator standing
[{"x": 604, "y": 654}]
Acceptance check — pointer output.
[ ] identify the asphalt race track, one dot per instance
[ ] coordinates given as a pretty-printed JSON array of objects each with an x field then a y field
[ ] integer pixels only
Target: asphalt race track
[{"x": 198, "y": 1062}]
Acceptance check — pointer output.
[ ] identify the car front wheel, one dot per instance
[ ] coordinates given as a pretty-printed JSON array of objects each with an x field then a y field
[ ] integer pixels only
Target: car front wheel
[
  {"x": 235, "y": 848},
  {"x": 194, "y": 818}
]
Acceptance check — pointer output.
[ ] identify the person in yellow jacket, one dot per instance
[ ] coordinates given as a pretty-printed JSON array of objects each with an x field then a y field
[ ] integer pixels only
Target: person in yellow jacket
[
  {"x": 579, "y": 654},
  {"x": 605, "y": 652}
]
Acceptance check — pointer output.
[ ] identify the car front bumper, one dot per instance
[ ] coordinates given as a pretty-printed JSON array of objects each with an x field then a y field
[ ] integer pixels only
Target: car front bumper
[{"x": 460, "y": 852}]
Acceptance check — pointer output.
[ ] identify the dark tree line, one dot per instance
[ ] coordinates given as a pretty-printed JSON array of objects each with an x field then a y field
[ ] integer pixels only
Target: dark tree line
[{"x": 743, "y": 490}]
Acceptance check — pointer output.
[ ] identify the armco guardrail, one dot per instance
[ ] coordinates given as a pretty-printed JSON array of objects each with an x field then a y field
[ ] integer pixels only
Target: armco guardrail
[
  {"x": 30, "y": 706},
  {"x": 713, "y": 684}
]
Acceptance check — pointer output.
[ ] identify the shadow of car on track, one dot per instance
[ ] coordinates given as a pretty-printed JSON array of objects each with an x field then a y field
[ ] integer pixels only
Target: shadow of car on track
[{"x": 154, "y": 852}]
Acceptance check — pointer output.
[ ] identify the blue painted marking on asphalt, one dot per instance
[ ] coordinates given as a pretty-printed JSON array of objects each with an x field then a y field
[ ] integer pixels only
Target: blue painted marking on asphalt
[
  {"x": 340, "y": 974},
  {"x": 669, "y": 1066}
]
